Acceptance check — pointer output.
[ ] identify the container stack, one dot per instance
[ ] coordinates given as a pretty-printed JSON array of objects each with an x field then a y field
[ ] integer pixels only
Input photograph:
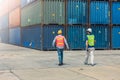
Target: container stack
[
  {"x": 14, "y": 22},
  {"x": 99, "y": 20},
  {"x": 115, "y": 24},
  {"x": 4, "y": 19},
  {"x": 53, "y": 20},
  {"x": 76, "y": 20},
  {"x": 31, "y": 19}
]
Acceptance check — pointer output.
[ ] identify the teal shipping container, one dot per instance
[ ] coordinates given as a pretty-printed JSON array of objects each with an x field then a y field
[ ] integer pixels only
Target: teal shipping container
[
  {"x": 99, "y": 12},
  {"x": 76, "y": 36},
  {"x": 115, "y": 12},
  {"x": 102, "y": 36},
  {"x": 31, "y": 14},
  {"x": 77, "y": 11},
  {"x": 54, "y": 12},
  {"x": 116, "y": 37}
]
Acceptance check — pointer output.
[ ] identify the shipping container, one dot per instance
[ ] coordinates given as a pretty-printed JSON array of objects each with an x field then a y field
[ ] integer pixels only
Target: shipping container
[
  {"x": 54, "y": 12},
  {"x": 77, "y": 11},
  {"x": 31, "y": 37},
  {"x": 4, "y": 21},
  {"x": 49, "y": 32},
  {"x": 4, "y": 7},
  {"x": 14, "y": 18},
  {"x": 99, "y": 12},
  {"x": 31, "y": 14},
  {"x": 76, "y": 36},
  {"x": 13, "y": 4},
  {"x": 4, "y": 36},
  {"x": 15, "y": 36},
  {"x": 26, "y": 2},
  {"x": 115, "y": 12},
  {"x": 102, "y": 36},
  {"x": 116, "y": 37}
]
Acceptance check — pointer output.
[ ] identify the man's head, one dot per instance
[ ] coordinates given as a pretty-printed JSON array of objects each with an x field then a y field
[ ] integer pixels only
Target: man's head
[
  {"x": 59, "y": 32},
  {"x": 89, "y": 30}
]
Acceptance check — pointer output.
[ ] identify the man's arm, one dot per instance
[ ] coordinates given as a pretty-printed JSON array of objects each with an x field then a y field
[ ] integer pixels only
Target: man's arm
[
  {"x": 54, "y": 41},
  {"x": 66, "y": 43}
]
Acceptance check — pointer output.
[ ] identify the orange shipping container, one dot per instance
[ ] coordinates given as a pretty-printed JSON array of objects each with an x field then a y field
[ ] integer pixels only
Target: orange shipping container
[
  {"x": 14, "y": 18},
  {"x": 13, "y": 4}
]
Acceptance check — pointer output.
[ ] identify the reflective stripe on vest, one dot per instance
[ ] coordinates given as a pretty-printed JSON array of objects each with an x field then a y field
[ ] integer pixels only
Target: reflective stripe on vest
[
  {"x": 60, "y": 41},
  {"x": 91, "y": 40}
]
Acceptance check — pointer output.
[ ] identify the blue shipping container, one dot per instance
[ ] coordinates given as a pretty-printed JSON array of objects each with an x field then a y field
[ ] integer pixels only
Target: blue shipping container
[
  {"x": 102, "y": 36},
  {"x": 77, "y": 12},
  {"x": 49, "y": 32},
  {"x": 99, "y": 12},
  {"x": 31, "y": 37},
  {"x": 4, "y": 22},
  {"x": 116, "y": 37},
  {"x": 76, "y": 36},
  {"x": 115, "y": 12},
  {"x": 15, "y": 36},
  {"x": 4, "y": 36}
]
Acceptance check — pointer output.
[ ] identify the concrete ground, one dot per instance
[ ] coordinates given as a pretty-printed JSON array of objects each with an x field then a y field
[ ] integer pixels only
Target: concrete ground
[{"x": 18, "y": 63}]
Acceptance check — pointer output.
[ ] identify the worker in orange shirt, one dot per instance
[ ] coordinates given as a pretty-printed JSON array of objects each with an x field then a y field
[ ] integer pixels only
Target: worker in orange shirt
[{"x": 60, "y": 42}]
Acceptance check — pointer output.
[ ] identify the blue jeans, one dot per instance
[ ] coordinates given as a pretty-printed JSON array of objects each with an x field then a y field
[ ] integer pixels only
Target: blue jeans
[{"x": 60, "y": 55}]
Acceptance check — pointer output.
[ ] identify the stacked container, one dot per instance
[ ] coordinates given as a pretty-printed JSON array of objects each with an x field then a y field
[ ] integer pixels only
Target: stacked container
[
  {"x": 77, "y": 11},
  {"x": 54, "y": 12},
  {"x": 31, "y": 37},
  {"x": 4, "y": 28},
  {"x": 49, "y": 33},
  {"x": 31, "y": 14},
  {"x": 4, "y": 21},
  {"x": 31, "y": 17},
  {"x": 14, "y": 22},
  {"x": 53, "y": 20},
  {"x": 76, "y": 20},
  {"x": 100, "y": 20},
  {"x": 115, "y": 22}
]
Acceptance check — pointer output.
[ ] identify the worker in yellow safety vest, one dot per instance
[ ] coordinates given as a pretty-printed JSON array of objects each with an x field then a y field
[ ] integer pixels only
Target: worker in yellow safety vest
[
  {"x": 60, "y": 42},
  {"x": 90, "y": 43}
]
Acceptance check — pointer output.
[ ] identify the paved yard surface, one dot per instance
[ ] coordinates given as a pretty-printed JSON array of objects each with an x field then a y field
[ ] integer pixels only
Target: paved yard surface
[{"x": 18, "y": 63}]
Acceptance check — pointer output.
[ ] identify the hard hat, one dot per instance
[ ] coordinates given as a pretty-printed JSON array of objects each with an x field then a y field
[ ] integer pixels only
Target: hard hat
[
  {"x": 89, "y": 30},
  {"x": 60, "y": 31}
]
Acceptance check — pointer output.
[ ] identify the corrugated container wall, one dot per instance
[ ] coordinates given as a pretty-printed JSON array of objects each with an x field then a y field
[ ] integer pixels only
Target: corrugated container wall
[
  {"x": 31, "y": 37},
  {"x": 49, "y": 33},
  {"x": 4, "y": 37},
  {"x": 115, "y": 12},
  {"x": 13, "y": 4},
  {"x": 4, "y": 8},
  {"x": 15, "y": 36},
  {"x": 116, "y": 37},
  {"x": 76, "y": 37},
  {"x": 31, "y": 14},
  {"x": 14, "y": 18},
  {"x": 99, "y": 12},
  {"x": 102, "y": 34},
  {"x": 77, "y": 11},
  {"x": 54, "y": 12},
  {"x": 4, "y": 21},
  {"x": 26, "y": 2}
]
